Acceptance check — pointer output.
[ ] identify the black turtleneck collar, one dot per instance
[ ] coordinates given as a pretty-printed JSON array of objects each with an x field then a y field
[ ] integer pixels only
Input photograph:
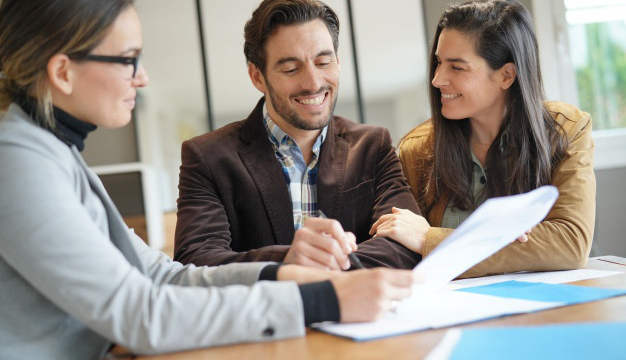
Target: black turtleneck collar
[{"x": 68, "y": 128}]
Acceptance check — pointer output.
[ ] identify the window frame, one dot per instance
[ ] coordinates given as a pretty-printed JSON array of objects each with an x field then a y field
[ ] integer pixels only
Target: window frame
[{"x": 560, "y": 82}]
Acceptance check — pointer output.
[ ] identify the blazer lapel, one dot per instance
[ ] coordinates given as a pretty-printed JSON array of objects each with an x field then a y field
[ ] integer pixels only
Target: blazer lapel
[
  {"x": 332, "y": 169},
  {"x": 118, "y": 231},
  {"x": 259, "y": 159}
]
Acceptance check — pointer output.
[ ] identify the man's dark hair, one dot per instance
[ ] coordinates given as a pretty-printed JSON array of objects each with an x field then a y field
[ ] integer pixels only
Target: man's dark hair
[{"x": 272, "y": 13}]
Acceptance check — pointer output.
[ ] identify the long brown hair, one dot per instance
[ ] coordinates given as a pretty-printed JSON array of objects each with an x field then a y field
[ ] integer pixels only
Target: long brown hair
[
  {"x": 32, "y": 31},
  {"x": 529, "y": 145}
]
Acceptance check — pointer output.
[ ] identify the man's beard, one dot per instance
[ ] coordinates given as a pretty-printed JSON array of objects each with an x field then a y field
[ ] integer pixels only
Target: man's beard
[{"x": 291, "y": 116}]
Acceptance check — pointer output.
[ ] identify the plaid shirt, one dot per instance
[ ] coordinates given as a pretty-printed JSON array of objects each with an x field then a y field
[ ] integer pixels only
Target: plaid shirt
[{"x": 301, "y": 179}]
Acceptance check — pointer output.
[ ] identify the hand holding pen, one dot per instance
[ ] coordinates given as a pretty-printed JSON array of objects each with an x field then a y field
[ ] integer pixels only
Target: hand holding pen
[
  {"x": 394, "y": 303},
  {"x": 356, "y": 262},
  {"x": 322, "y": 243}
]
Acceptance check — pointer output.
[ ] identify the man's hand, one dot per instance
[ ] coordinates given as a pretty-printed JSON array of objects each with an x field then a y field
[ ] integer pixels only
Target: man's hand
[
  {"x": 403, "y": 226},
  {"x": 321, "y": 243},
  {"x": 365, "y": 295}
]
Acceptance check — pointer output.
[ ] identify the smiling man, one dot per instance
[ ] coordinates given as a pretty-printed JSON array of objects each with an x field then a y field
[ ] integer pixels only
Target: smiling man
[{"x": 247, "y": 189}]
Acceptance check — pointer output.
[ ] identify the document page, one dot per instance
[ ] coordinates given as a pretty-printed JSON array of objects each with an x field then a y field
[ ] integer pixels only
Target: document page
[
  {"x": 438, "y": 309},
  {"x": 548, "y": 277},
  {"x": 495, "y": 224}
]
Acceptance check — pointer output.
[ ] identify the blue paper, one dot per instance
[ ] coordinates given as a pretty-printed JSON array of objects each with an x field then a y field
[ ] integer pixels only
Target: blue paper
[
  {"x": 587, "y": 341},
  {"x": 566, "y": 294}
]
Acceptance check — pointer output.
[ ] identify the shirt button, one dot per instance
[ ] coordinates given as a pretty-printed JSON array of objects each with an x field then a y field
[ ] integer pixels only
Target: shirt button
[
  {"x": 483, "y": 180},
  {"x": 268, "y": 332}
]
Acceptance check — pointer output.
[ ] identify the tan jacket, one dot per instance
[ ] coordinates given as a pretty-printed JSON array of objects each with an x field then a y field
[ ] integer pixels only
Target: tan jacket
[{"x": 562, "y": 241}]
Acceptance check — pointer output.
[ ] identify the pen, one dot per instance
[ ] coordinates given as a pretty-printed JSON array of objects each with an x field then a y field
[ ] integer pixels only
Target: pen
[
  {"x": 352, "y": 256},
  {"x": 355, "y": 260}
]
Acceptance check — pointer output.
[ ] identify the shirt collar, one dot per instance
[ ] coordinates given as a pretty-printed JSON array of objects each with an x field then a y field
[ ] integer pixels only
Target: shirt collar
[
  {"x": 502, "y": 146},
  {"x": 475, "y": 158},
  {"x": 278, "y": 137},
  {"x": 504, "y": 141}
]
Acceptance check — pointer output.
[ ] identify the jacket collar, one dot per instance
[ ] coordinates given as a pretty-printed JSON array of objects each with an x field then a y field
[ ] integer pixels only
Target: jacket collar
[
  {"x": 332, "y": 171},
  {"x": 258, "y": 157},
  {"x": 253, "y": 129}
]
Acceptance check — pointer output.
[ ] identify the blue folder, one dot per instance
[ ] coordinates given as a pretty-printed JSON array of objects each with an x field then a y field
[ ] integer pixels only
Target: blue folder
[
  {"x": 566, "y": 294},
  {"x": 578, "y": 341}
]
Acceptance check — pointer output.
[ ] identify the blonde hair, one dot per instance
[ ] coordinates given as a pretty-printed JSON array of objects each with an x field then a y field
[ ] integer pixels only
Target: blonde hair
[{"x": 33, "y": 31}]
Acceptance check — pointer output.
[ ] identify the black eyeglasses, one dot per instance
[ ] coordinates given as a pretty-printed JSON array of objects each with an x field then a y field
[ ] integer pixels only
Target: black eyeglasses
[{"x": 134, "y": 61}]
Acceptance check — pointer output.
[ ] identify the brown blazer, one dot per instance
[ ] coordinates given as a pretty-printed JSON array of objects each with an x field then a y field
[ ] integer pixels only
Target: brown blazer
[
  {"x": 234, "y": 205},
  {"x": 562, "y": 241}
]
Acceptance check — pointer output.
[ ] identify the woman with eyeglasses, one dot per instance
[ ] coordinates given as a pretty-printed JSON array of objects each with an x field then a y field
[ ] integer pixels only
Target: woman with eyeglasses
[
  {"x": 493, "y": 134},
  {"x": 73, "y": 278}
]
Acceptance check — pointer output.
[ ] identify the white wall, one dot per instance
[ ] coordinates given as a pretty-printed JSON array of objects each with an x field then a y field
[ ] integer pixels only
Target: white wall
[{"x": 391, "y": 47}]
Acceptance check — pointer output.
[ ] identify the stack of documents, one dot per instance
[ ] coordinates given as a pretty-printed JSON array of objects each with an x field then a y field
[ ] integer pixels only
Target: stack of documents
[
  {"x": 548, "y": 277},
  {"x": 495, "y": 224},
  {"x": 580, "y": 341},
  {"x": 448, "y": 308}
]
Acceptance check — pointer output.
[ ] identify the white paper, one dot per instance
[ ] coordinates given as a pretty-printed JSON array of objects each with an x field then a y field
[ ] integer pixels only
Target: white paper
[
  {"x": 548, "y": 277},
  {"x": 495, "y": 224},
  {"x": 438, "y": 309}
]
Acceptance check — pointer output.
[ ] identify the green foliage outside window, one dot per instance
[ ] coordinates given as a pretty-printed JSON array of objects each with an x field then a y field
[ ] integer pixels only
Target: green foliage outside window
[{"x": 602, "y": 78}]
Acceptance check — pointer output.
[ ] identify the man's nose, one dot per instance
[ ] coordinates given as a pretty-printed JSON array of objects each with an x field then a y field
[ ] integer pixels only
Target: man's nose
[{"x": 311, "y": 78}]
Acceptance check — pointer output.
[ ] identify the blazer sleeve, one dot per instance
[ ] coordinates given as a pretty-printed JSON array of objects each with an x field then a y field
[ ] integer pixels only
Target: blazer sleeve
[
  {"x": 391, "y": 190},
  {"x": 50, "y": 239},
  {"x": 563, "y": 240},
  {"x": 163, "y": 270},
  {"x": 202, "y": 228}
]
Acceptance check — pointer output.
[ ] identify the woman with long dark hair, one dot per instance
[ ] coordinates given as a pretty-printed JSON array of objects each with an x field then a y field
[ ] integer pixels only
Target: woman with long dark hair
[
  {"x": 73, "y": 278},
  {"x": 493, "y": 134}
]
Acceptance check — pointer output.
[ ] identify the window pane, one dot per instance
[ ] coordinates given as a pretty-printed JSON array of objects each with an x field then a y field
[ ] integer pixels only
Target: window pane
[{"x": 597, "y": 32}]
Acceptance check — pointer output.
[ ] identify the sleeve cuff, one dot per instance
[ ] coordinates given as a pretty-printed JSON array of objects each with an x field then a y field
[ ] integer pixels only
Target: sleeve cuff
[
  {"x": 434, "y": 237},
  {"x": 320, "y": 302},
  {"x": 270, "y": 272}
]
